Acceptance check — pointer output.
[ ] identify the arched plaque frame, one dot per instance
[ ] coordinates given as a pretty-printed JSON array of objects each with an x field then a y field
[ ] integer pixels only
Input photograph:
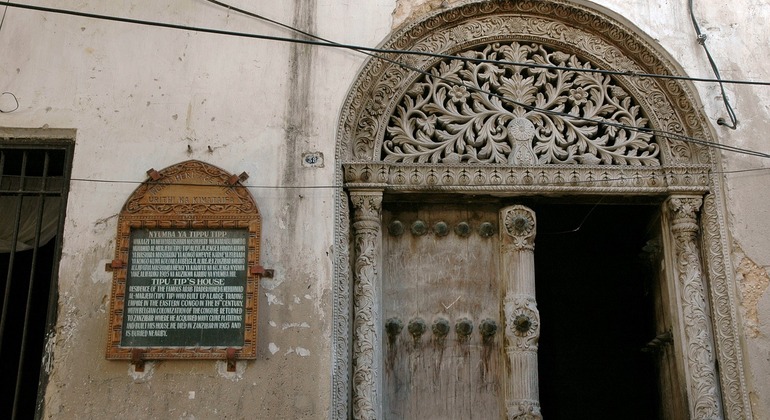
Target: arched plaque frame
[
  {"x": 190, "y": 195},
  {"x": 685, "y": 169}
]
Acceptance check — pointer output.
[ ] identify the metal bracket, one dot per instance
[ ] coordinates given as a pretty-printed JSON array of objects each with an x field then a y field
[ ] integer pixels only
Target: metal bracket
[
  {"x": 152, "y": 173},
  {"x": 136, "y": 360},
  {"x": 114, "y": 265},
  {"x": 235, "y": 178},
  {"x": 657, "y": 343},
  {"x": 262, "y": 271},
  {"x": 230, "y": 359}
]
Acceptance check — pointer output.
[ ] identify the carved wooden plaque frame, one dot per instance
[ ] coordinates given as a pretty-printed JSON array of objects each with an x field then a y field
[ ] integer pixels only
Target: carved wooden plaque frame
[{"x": 194, "y": 197}]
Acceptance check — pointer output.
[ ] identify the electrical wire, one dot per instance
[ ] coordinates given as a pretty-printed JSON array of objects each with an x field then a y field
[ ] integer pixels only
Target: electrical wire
[
  {"x": 363, "y": 48},
  {"x": 311, "y": 187},
  {"x": 2, "y": 20},
  {"x": 702, "y": 41},
  {"x": 661, "y": 133},
  {"x": 14, "y": 98}
]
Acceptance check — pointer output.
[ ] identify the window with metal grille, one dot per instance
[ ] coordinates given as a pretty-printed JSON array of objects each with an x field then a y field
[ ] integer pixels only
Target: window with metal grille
[{"x": 34, "y": 180}]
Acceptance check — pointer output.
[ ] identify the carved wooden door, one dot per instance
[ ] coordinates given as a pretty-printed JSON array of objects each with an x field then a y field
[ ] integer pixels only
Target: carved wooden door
[{"x": 441, "y": 306}]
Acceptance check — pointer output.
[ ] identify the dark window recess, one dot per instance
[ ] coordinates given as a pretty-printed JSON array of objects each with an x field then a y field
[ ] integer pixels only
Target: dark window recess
[{"x": 34, "y": 179}]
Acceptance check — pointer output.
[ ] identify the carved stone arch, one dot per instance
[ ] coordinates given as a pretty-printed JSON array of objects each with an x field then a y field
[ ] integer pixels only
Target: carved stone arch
[
  {"x": 593, "y": 38},
  {"x": 596, "y": 39}
]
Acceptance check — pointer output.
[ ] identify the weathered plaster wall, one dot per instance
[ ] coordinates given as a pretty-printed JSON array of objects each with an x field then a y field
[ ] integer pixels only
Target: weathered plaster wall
[{"x": 144, "y": 97}]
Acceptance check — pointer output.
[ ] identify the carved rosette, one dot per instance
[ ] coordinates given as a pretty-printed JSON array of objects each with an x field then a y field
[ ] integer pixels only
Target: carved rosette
[
  {"x": 366, "y": 361},
  {"x": 699, "y": 349},
  {"x": 524, "y": 410},
  {"x": 519, "y": 224},
  {"x": 522, "y": 323}
]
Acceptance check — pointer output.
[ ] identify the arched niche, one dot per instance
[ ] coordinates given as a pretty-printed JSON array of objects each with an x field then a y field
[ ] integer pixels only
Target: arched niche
[
  {"x": 210, "y": 228},
  {"x": 402, "y": 132}
]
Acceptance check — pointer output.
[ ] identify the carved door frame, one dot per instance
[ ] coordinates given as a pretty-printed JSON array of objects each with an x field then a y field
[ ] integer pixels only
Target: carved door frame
[{"x": 685, "y": 174}]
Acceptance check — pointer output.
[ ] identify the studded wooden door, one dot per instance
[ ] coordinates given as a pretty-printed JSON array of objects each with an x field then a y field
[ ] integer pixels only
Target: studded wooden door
[{"x": 441, "y": 306}]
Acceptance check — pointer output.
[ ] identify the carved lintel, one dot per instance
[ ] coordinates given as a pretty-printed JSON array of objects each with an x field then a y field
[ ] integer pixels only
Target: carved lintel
[
  {"x": 367, "y": 375},
  {"x": 703, "y": 386},
  {"x": 533, "y": 178}
]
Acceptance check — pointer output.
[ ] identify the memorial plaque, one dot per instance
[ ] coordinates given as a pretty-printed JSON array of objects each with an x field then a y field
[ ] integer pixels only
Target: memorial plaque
[
  {"x": 186, "y": 268},
  {"x": 185, "y": 288}
]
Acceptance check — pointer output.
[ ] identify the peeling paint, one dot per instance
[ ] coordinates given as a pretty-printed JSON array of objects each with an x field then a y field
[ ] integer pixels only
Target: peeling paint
[
  {"x": 302, "y": 351},
  {"x": 270, "y": 284},
  {"x": 48, "y": 352},
  {"x": 753, "y": 281},
  {"x": 273, "y": 299},
  {"x": 288, "y": 325},
  {"x": 100, "y": 275},
  {"x": 146, "y": 375},
  {"x": 273, "y": 348},
  {"x": 240, "y": 369},
  {"x": 409, "y": 9}
]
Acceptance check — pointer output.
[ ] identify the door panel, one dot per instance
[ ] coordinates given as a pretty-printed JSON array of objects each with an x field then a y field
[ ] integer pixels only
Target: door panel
[{"x": 441, "y": 300}]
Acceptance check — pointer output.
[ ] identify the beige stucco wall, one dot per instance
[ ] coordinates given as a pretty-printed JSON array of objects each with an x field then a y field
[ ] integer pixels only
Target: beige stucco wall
[{"x": 143, "y": 97}]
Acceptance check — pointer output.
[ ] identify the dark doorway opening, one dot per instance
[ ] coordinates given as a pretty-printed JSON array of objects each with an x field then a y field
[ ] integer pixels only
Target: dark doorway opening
[{"x": 596, "y": 306}]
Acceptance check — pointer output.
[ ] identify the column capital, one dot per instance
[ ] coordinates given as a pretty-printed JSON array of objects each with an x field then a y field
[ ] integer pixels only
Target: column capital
[{"x": 367, "y": 203}]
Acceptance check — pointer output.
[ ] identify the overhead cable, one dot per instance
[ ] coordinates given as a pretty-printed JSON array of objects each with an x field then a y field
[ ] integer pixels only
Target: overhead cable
[
  {"x": 702, "y": 41},
  {"x": 363, "y": 48},
  {"x": 311, "y": 187},
  {"x": 661, "y": 133}
]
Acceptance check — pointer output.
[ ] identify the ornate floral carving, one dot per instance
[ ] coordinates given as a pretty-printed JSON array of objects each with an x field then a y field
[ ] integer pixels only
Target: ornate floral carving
[
  {"x": 522, "y": 323},
  {"x": 535, "y": 179},
  {"x": 449, "y": 117},
  {"x": 519, "y": 223},
  {"x": 704, "y": 391},
  {"x": 341, "y": 312},
  {"x": 366, "y": 367},
  {"x": 723, "y": 313},
  {"x": 524, "y": 410},
  {"x": 211, "y": 184}
]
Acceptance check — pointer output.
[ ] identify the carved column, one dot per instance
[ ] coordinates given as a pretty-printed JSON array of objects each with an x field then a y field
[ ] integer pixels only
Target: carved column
[
  {"x": 698, "y": 347},
  {"x": 367, "y": 359},
  {"x": 522, "y": 320}
]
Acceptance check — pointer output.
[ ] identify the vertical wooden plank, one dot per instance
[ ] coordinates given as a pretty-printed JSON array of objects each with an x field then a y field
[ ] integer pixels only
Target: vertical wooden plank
[{"x": 440, "y": 277}]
